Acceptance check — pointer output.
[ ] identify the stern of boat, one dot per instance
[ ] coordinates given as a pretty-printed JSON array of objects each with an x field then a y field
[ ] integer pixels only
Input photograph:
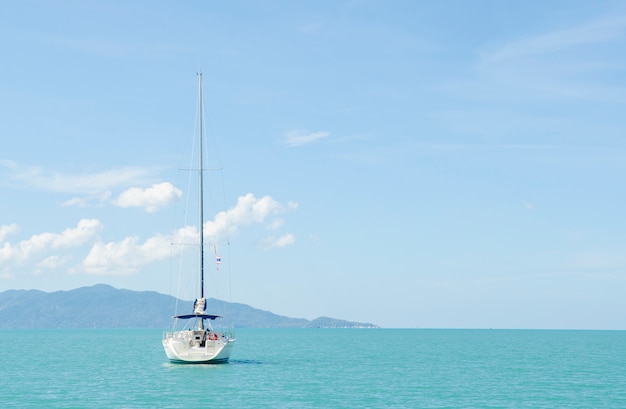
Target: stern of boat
[{"x": 195, "y": 346}]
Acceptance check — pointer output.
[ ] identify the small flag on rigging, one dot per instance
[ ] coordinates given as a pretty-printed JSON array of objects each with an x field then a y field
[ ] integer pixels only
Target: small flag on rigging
[{"x": 218, "y": 260}]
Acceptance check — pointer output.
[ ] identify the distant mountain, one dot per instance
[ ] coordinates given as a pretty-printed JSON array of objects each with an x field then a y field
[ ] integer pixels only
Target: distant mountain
[
  {"x": 326, "y": 322},
  {"x": 102, "y": 306}
]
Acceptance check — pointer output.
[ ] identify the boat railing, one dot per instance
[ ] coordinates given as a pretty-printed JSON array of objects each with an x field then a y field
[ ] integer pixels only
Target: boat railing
[{"x": 227, "y": 335}]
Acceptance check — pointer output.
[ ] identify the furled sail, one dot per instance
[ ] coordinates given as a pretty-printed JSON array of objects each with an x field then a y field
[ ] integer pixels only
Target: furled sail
[{"x": 199, "y": 306}]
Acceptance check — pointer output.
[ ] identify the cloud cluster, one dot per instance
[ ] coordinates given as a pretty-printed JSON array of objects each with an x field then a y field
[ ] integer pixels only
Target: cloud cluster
[
  {"x": 128, "y": 256},
  {"x": 48, "y": 251},
  {"x": 252, "y": 210},
  {"x": 39, "y": 246},
  {"x": 249, "y": 210},
  {"x": 95, "y": 188}
]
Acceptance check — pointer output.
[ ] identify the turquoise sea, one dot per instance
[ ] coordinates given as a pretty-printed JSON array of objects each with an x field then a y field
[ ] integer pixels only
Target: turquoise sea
[{"x": 311, "y": 368}]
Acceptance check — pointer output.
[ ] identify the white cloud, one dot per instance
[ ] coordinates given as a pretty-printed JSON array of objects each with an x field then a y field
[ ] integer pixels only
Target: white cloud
[
  {"x": 297, "y": 138},
  {"x": 97, "y": 200},
  {"x": 9, "y": 164},
  {"x": 275, "y": 224},
  {"x": 84, "y": 182},
  {"x": 45, "y": 251},
  {"x": 39, "y": 245},
  {"x": 151, "y": 199},
  {"x": 125, "y": 257},
  {"x": 274, "y": 242},
  {"x": 248, "y": 210},
  {"x": 6, "y": 230},
  {"x": 594, "y": 32},
  {"x": 130, "y": 255},
  {"x": 52, "y": 262},
  {"x": 84, "y": 232},
  {"x": 566, "y": 64},
  {"x": 95, "y": 188}
]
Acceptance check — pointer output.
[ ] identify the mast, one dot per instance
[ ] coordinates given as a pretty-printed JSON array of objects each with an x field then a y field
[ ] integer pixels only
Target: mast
[
  {"x": 201, "y": 216},
  {"x": 201, "y": 203}
]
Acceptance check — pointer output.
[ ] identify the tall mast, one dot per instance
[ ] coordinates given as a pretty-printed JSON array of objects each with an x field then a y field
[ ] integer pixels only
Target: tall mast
[{"x": 201, "y": 190}]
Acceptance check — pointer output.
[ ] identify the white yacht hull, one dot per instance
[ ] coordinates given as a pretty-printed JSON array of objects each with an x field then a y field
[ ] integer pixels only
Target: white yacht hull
[{"x": 198, "y": 347}]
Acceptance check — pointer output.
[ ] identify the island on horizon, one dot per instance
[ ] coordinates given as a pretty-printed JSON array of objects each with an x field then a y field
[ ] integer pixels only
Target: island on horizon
[{"x": 103, "y": 306}]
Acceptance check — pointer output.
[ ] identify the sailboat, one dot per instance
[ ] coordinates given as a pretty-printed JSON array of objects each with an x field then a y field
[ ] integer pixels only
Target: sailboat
[{"x": 198, "y": 342}]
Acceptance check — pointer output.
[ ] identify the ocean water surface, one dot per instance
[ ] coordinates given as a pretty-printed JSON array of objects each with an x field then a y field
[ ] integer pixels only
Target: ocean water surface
[{"x": 307, "y": 368}]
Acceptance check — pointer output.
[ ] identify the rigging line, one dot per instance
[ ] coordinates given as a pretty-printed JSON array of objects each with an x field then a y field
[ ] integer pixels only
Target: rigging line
[
  {"x": 213, "y": 138},
  {"x": 180, "y": 253},
  {"x": 210, "y": 136},
  {"x": 217, "y": 280},
  {"x": 185, "y": 210},
  {"x": 180, "y": 267},
  {"x": 185, "y": 219},
  {"x": 230, "y": 276},
  {"x": 175, "y": 276},
  {"x": 171, "y": 259},
  {"x": 227, "y": 230}
]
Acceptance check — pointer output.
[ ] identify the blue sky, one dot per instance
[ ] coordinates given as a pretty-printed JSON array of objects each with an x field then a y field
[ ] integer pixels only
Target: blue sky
[{"x": 434, "y": 164}]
